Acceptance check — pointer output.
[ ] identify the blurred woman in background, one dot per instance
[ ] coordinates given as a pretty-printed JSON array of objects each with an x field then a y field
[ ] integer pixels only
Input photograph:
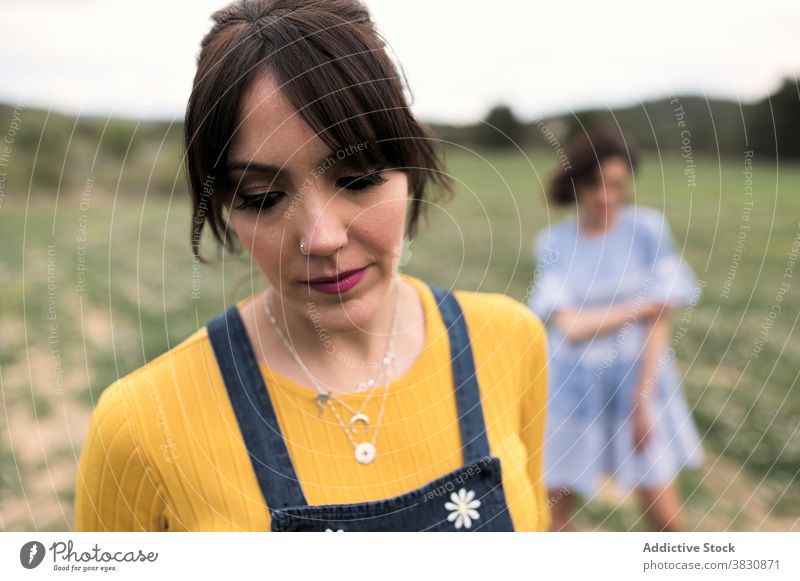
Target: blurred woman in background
[{"x": 606, "y": 284}]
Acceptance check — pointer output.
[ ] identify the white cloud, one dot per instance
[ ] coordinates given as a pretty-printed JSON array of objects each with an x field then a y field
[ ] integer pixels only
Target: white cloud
[{"x": 137, "y": 58}]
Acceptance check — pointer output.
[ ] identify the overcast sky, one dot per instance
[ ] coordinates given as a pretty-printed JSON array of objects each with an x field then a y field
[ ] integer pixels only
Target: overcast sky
[{"x": 136, "y": 58}]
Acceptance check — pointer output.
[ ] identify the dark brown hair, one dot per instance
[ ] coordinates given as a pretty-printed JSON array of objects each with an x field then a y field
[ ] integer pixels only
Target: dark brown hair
[
  {"x": 334, "y": 69},
  {"x": 583, "y": 156}
]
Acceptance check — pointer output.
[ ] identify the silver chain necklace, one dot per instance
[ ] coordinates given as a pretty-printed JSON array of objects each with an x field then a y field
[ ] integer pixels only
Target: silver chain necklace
[{"x": 364, "y": 451}]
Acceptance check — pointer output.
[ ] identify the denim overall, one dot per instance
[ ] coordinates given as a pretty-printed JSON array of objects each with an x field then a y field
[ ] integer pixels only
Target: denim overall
[{"x": 432, "y": 507}]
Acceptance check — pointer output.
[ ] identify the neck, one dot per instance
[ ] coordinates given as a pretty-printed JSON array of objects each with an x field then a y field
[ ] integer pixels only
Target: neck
[{"x": 347, "y": 356}]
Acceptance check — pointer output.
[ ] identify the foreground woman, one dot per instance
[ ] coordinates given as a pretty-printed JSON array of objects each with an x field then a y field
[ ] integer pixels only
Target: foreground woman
[{"x": 344, "y": 396}]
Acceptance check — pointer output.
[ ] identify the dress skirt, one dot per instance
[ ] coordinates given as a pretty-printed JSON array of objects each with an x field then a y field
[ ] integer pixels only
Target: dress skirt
[{"x": 590, "y": 428}]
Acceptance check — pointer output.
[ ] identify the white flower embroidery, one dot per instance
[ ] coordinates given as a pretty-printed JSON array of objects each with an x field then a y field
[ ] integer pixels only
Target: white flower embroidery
[
  {"x": 334, "y": 531},
  {"x": 463, "y": 508}
]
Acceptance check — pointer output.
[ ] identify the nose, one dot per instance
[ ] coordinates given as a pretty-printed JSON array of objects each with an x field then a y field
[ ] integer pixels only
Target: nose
[
  {"x": 323, "y": 224},
  {"x": 612, "y": 193}
]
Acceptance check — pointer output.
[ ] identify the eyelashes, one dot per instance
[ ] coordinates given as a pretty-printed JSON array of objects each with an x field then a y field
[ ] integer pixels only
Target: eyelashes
[
  {"x": 264, "y": 202},
  {"x": 360, "y": 182}
]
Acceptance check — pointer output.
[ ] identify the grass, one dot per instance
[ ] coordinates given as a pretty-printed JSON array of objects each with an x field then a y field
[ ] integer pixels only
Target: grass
[
  {"x": 138, "y": 298},
  {"x": 10, "y": 485}
]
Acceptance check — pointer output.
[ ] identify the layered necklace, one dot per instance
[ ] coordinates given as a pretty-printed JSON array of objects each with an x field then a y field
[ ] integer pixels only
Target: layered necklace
[{"x": 364, "y": 451}]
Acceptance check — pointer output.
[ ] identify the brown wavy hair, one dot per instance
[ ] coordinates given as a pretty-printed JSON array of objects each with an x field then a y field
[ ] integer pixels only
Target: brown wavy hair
[{"x": 333, "y": 67}]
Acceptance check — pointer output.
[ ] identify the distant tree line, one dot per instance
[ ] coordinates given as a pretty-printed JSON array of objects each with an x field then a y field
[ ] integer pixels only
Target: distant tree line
[
  {"x": 54, "y": 153},
  {"x": 51, "y": 152},
  {"x": 770, "y": 127}
]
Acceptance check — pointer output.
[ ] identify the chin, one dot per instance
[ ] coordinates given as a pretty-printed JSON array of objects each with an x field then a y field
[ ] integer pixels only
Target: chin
[
  {"x": 346, "y": 316},
  {"x": 353, "y": 309}
]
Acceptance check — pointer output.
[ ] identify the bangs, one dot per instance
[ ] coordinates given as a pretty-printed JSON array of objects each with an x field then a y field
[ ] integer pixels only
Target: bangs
[{"x": 343, "y": 85}]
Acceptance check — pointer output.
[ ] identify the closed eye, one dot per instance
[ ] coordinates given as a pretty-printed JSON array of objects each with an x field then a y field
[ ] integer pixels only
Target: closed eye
[
  {"x": 262, "y": 202},
  {"x": 356, "y": 183}
]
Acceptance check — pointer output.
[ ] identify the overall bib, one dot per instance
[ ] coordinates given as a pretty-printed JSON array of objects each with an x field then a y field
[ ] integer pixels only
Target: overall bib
[{"x": 470, "y": 498}]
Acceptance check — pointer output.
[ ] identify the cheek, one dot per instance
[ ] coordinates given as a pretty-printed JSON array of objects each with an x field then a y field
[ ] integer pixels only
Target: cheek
[
  {"x": 260, "y": 240},
  {"x": 381, "y": 225},
  {"x": 589, "y": 196}
]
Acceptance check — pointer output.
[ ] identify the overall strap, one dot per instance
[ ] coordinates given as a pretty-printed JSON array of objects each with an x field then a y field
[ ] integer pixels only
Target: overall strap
[
  {"x": 254, "y": 412},
  {"x": 468, "y": 400}
]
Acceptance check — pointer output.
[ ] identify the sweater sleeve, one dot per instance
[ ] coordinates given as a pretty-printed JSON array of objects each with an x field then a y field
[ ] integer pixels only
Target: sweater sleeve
[
  {"x": 116, "y": 488},
  {"x": 534, "y": 413}
]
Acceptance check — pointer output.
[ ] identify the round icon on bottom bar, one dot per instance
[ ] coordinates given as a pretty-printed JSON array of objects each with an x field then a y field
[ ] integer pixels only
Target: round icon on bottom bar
[{"x": 31, "y": 554}]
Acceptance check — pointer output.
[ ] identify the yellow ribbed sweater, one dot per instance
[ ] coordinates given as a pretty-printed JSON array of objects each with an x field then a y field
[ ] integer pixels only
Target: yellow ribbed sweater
[{"x": 164, "y": 451}]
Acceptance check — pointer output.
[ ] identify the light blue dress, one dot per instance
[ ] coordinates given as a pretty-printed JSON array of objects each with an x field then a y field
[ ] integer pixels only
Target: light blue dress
[{"x": 592, "y": 382}]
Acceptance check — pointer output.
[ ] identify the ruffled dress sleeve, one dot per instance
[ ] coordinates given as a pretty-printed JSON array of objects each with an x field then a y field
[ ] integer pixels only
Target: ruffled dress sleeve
[{"x": 670, "y": 280}]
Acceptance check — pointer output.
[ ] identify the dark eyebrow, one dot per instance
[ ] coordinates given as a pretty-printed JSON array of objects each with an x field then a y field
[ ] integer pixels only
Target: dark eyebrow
[
  {"x": 252, "y": 166},
  {"x": 274, "y": 169}
]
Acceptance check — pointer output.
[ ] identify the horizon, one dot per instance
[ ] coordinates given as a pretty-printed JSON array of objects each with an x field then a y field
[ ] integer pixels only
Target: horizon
[
  {"x": 460, "y": 59},
  {"x": 67, "y": 112}
]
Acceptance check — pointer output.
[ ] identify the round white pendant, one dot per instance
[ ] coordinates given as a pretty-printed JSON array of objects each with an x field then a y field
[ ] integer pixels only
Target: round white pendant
[{"x": 365, "y": 452}]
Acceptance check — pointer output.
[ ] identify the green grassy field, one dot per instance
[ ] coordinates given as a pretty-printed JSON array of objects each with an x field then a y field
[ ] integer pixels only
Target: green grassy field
[{"x": 94, "y": 286}]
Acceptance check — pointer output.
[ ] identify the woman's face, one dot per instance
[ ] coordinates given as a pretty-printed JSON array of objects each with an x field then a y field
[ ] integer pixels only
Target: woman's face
[
  {"x": 291, "y": 188},
  {"x": 604, "y": 198}
]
